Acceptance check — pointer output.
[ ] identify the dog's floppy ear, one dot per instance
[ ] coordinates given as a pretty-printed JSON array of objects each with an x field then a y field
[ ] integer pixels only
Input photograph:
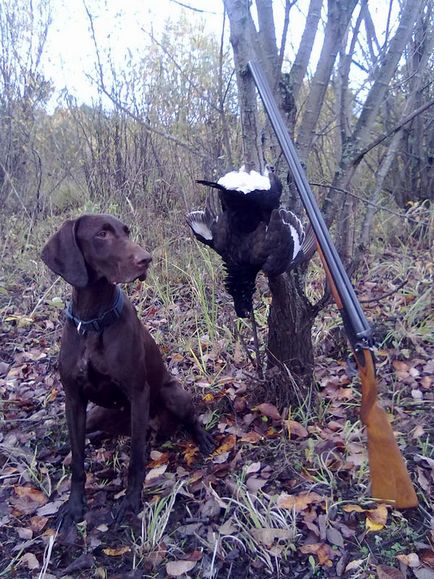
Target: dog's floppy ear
[{"x": 63, "y": 256}]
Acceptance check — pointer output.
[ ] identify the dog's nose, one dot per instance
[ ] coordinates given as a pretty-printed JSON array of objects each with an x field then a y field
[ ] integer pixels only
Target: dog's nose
[{"x": 143, "y": 259}]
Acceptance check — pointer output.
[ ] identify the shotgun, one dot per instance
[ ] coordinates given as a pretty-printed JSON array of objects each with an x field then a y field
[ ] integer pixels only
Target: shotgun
[{"x": 390, "y": 480}]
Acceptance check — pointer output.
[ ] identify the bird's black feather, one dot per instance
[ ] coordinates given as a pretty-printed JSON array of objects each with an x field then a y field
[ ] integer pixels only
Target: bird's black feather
[{"x": 250, "y": 232}]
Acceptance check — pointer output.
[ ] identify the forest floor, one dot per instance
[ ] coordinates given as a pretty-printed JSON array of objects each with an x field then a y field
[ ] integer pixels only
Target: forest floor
[{"x": 285, "y": 494}]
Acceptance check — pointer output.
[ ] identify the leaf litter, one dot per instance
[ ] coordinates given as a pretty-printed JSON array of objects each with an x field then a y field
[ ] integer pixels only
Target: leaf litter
[{"x": 278, "y": 487}]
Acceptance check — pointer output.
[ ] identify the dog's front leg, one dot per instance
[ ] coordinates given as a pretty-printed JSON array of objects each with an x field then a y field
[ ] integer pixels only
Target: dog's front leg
[
  {"x": 136, "y": 470},
  {"x": 73, "y": 510}
]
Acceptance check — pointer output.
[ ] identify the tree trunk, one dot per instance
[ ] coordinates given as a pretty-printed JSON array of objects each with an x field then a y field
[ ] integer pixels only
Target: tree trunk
[
  {"x": 290, "y": 347},
  {"x": 241, "y": 40},
  {"x": 299, "y": 68},
  {"x": 339, "y": 15}
]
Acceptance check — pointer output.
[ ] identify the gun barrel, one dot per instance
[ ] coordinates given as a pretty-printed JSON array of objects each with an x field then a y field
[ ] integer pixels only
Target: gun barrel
[{"x": 354, "y": 318}]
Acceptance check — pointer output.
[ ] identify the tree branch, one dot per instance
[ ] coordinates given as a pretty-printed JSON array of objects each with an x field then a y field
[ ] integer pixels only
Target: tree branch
[{"x": 394, "y": 130}]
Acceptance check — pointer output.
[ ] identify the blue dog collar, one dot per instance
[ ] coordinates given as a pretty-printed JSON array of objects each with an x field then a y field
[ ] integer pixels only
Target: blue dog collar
[{"x": 103, "y": 321}]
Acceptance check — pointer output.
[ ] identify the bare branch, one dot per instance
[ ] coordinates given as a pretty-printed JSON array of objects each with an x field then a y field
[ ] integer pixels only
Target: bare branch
[
  {"x": 395, "y": 129},
  {"x": 147, "y": 126},
  {"x": 368, "y": 202},
  {"x": 193, "y": 8}
]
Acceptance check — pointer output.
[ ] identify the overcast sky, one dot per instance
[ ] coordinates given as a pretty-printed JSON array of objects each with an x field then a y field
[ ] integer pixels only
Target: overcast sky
[{"x": 70, "y": 53}]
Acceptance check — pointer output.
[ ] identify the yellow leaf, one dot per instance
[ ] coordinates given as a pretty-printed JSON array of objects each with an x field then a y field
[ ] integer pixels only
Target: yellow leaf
[
  {"x": 190, "y": 454},
  {"x": 376, "y": 518},
  {"x": 227, "y": 444},
  {"x": 116, "y": 552}
]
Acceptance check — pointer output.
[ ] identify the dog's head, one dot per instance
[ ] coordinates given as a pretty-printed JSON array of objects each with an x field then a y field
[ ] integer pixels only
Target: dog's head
[{"x": 94, "y": 247}]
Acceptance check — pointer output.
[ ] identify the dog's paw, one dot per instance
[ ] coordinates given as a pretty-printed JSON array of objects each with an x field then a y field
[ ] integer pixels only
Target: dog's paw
[
  {"x": 130, "y": 505},
  {"x": 205, "y": 441},
  {"x": 70, "y": 513}
]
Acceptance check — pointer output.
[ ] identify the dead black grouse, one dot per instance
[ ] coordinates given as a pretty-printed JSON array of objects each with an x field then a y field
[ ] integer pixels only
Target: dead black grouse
[{"x": 243, "y": 223}]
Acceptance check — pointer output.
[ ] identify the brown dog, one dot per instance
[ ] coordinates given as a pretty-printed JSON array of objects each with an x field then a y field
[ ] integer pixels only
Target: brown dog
[{"x": 107, "y": 356}]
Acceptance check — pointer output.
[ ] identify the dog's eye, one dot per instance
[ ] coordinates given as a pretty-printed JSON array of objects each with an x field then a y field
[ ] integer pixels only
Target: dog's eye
[{"x": 102, "y": 234}]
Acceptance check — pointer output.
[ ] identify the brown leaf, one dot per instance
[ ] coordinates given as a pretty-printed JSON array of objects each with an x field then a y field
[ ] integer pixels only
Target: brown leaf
[
  {"x": 267, "y": 536},
  {"x": 354, "y": 509},
  {"x": 37, "y": 523},
  {"x": 227, "y": 445},
  {"x": 427, "y": 557},
  {"x": 158, "y": 458},
  {"x": 410, "y": 560},
  {"x": 296, "y": 429},
  {"x": 385, "y": 572},
  {"x": 321, "y": 550},
  {"x": 252, "y": 437},
  {"x": 27, "y": 500},
  {"x": 268, "y": 410},
  {"x": 178, "y": 568},
  {"x": 298, "y": 502}
]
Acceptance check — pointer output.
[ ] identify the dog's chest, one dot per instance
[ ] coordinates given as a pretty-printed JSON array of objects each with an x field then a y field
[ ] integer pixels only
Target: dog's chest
[{"x": 94, "y": 374}]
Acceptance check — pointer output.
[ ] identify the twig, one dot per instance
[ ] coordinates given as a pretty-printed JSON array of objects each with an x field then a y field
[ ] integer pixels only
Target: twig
[
  {"x": 146, "y": 125},
  {"x": 368, "y": 202},
  {"x": 392, "y": 131},
  {"x": 44, "y": 295},
  {"x": 193, "y": 8},
  {"x": 386, "y": 295},
  {"x": 244, "y": 345},
  {"x": 256, "y": 343}
]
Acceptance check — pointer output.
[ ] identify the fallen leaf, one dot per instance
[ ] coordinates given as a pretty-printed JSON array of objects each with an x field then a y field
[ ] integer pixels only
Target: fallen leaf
[
  {"x": 251, "y": 437},
  {"x": 116, "y": 552},
  {"x": 355, "y": 564},
  {"x": 178, "y": 568},
  {"x": 298, "y": 502},
  {"x": 321, "y": 550},
  {"x": 268, "y": 410},
  {"x": 37, "y": 523},
  {"x": 410, "y": 560},
  {"x": 385, "y": 572},
  {"x": 30, "y": 561},
  {"x": 228, "y": 527},
  {"x": 376, "y": 518},
  {"x": 158, "y": 458},
  {"x": 296, "y": 429},
  {"x": 427, "y": 557},
  {"x": 335, "y": 537},
  {"x": 252, "y": 468},
  {"x": 49, "y": 509},
  {"x": 354, "y": 509},
  {"x": 190, "y": 454},
  {"x": 154, "y": 473},
  {"x": 27, "y": 500},
  {"x": 227, "y": 445},
  {"x": 24, "y": 534},
  {"x": 267, "y": 536},
  {"x": 254, "y": 484}
]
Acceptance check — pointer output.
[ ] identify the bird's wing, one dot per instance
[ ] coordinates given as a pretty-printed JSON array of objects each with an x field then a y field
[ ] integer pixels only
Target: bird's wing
[
  {"x": 203, "y": 223},
  {"x": 308, "y": 247},
  {"x": 284, "y": 239},
  {"x": 201, "y": 226}
]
